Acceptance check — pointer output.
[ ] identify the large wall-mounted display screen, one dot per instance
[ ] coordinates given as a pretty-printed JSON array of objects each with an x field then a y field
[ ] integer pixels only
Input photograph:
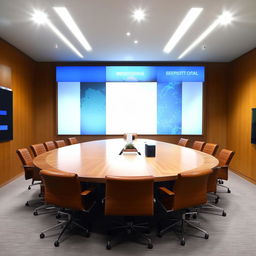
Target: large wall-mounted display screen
[
  {"x": 6, "y": 129},
  {"x": 130, "y": 99}
]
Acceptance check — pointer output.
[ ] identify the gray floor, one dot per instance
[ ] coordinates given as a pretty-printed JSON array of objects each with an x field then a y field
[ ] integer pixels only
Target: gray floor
[{"x": 233, "y": 235}]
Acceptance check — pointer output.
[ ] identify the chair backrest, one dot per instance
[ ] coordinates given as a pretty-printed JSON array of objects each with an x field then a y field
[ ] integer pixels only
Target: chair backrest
[
  {"x": 60, "y": 143},
  {"x": 190, "y": 189},
  {"x": 225, "y": 156},
  {"x": 26, "y": 160},
  {"x": 210, "y": 148},
  {"x": 72, "y": 140},
  {"x": 134, "y": 136},
  {"x": 62, "y": 189},
  {"x": 38, "y": 149},
  {"x": 129, "y": 196},
  {"x": 198, "y": 145},
  {"x": 49, "y": 145},
  {"x": 183, "y": 142}
]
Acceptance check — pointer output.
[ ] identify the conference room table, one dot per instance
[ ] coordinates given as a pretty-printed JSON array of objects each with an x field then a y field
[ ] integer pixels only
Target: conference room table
[{"x": 94, "y": 160}]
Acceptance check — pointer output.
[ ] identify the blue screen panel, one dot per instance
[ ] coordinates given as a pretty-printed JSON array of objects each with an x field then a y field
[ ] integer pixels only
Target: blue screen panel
[
  {"x": 81, "y": 74},
  {"x": 3, "y": 127},
  {"x": 169, "y": 107},
  {"x": 130, "y": 74},
  {"x": 3, "y": 112},
  {"x": 93, "y": 108},
  {"x": 180, "y": 74}
]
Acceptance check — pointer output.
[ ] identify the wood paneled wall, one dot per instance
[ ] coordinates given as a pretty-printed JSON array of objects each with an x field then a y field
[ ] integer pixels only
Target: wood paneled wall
[
  {"x": 215, "y": 105},
  {"x": 242, "y": 98},
  {"x": 17, "y": 72}
]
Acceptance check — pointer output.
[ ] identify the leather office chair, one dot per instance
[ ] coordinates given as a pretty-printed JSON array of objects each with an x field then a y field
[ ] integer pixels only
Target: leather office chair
[
  {"x": 129, "y": 197},
  {"x": 134, "y": 136},
  {"x": 189, "y": 191},
  {"x": 30, "y": 171},
  {"x": 225, "y": 156},
  {"x": 198, "y": 145},
  {"x": 38, "y": 149},
  {"x": 49, "y": 145},
  {"x": 63, "y": 190},
  {"x": 211, "y": 190},
  {"x": 60, "y": 143},
  {"x": 210, "y": 148},
  {"x": 183, "y": 142},
  {"x": 72, "y": 140}
]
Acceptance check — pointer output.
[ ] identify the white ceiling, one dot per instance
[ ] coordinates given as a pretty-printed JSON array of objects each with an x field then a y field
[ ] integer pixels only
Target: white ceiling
[{"x": 105, "y": 23}]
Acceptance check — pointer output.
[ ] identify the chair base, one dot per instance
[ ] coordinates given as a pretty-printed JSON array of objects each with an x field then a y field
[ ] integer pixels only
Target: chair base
[
  {"x": 212, "y": 209},
  {"x": 45, "y": 209},
  {"x": 130, "y": 228},
  {"x": 181, "y": 222},
  {"x": 65, "y": 223},
  {"x": 220, "y": 184}
]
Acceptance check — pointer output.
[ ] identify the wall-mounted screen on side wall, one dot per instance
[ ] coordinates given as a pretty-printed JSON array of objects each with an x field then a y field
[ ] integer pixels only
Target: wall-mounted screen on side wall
[
  {"x": 6, "y": 129},
  {"x": 253, "y": 131},
  {"x": 103, "y": 100}
]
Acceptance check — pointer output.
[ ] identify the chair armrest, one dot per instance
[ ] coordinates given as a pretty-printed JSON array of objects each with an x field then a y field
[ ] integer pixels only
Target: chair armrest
[
  {"x": 86, "y": 192},
  {"x": 220, "y": 167},
  {"x": 166, "y": 191}
]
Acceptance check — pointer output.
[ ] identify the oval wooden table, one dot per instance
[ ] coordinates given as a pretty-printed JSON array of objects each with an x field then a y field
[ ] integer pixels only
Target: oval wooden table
[{"x": 94, "y": 160}]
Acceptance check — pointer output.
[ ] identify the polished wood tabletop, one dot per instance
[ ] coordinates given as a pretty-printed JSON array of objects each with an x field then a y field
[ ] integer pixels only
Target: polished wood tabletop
[{"x": 94, "y": 160}]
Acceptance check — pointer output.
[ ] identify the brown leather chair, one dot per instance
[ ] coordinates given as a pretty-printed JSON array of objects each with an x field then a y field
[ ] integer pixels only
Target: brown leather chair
[
  {"x": 198, "y": 145},
  {"x": 63, "y": 190},
  {"x": 211, "y": 190},
  {"x": 134, "y": 136},
  {"x": 189, "y": 190},
  {"x": 183, "y": 142},
  {"x": 225, "y": 156},
  {"x": 72, "y": 140},
  {"x": 49, "y": 145},
  {"x": 129, "y": 197},
  {"x": 210, "y": 148},
  {"x": 38, "y": 149},
  {"x": 30, "y": 171},
  {"x": 60, "y": 143}
]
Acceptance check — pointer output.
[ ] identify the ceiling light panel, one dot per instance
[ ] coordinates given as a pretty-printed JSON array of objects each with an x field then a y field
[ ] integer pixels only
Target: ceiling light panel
[
  {"x": 138, "y": 15},
  {"x": 221, "y": 20},
  {"x": 41, "y": 18},
  {"x": 72, "y": 26},
  {"x": 186, "y": 23}
]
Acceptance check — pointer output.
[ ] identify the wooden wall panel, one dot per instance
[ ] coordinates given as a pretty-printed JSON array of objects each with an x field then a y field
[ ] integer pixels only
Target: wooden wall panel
[
  {"x": 17, "y": 73},
  {"x": 215, "y": 105},
  {"x": 242, "y": 98}
]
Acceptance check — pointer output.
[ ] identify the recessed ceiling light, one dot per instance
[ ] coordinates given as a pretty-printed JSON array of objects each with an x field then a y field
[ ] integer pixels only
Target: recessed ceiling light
[
  {"x": 225, "y": 18},
  {"x": 138, "y": 15},
  {"x": 135, "y": 41},
  {"x": 42, "y": 18},
  {"x": 128, "y": 33},
  {"x": 218, "y": 21},
  {"x": 72, "y": 26},
  {"x": 39, "y": 17},
  {"x": 56, "y": 46},
  {"x": 186, "y": 23}
]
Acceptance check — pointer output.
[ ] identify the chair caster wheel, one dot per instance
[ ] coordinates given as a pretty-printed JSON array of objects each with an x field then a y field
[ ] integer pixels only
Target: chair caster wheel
[
  {"x": 194, "y": 216},
  {"x": 229, "y": 191},
  {"x": 58, "y": 216},
  {"x": 224, "y": 214},
  {"x": 29, "y": 188},
  {"x": 150, "y": 246},
  {"x": 87, "y": 234},
  {"x": 56, "y": 244},
  {"x": 26, "y": 204},
  {"x": 108, "y": 246},
  {"x": 42, "y": 235},
  {"x": 206, "y": 236},
  {"x": 182, "y": 242},
  {"x": 35, "y": 213}
]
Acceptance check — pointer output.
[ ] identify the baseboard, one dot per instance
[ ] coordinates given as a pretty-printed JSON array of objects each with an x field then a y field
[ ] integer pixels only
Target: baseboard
[
  {"x": 12, "y": 179},
  {"x": 244, "y": 176}
]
